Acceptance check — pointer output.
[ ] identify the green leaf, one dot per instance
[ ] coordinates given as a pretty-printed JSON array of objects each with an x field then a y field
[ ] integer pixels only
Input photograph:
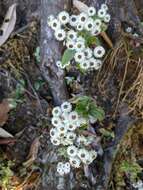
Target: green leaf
[
  {"x": 96, "y": 112},
  {"x": 87, "y": 107},
  {"x": 68, "y": 56},
  {"x": 82, "y": 106},
  {"x": 37, "y": 54},
  {"x": 89, "y": 39},
  {"x": 107, "y": 133}
]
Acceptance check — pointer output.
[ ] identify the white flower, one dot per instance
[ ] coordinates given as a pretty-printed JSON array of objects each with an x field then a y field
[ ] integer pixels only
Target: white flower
[
  {"x": 81, "y": 139},
  {"x": 71, "y": 136},
  {"x": 85, "y": 65},
  {"x": 92, "y": 63},
  {"x": 84, "y": 156},
  {"x": 63, "y": 17},
  {"x": 70, "y": 44},
  {"x": 91, "y": 11},
  {"x": 66, "y": 141},
  {"x": 96, "y": 31},
  {"x": 60, "y": 171},
  {"x": 50, "y": 18},
  {"x": 72, "y": 35},
  {"x": 138, "y": 185},
  {"x": 60, "y": 168},
  {"x": 95, "y": 63},
  {"x": 72, "y": 151},
  {"x": 80, "y": 39},
  {"x": 79, "y": 46},
  {"x": 66, "y": 167},
  {"x": 65, "y": 117},
  {"x": 71, "y": 126},
  {"x": 93, "y": 154},
  {"x": 66, "y": 107},
  {"x": 136, "y": 35},
  {"x": 55, "y": 141},
  {"x": 59, "y": 64},
  {"x": 98, "y": 64},
  {"x": 82, "y": 18},
  {"x": 101, "y": 13},
  {"x": 62, "y": 131},
  {"x": 91, "y": 157},
  {"x": 107, "y": 18},
  {"x": 104, "y": 6},
  {"x": 53, "y": 133},
  {"x": 73, "y": 116},
  {"x": 56, "y": 111},
  {"x": 79, "y": 57},
  {"x": 73, "y": 20},
  {"x": 88, "y": 53},
  {"x": 55, "y": 24},
  {"x": 60, "y": 34},
  {"x": 79, "y": 27},
  {"x": 60, "y": 165},
  {"x": 98, "y": 22},
  {"x": 56, "y": 121},
  {"x": 89, "y": 25},
  {"x": 81, "y": 121},
  {"x": 129, "y": 29},
  {"x": 99, "y": 52},
  {"x": 75, "y": 162}
]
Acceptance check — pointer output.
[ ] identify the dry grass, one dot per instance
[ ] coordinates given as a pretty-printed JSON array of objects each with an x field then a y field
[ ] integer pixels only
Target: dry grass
[{"x": 126, "y": 69}]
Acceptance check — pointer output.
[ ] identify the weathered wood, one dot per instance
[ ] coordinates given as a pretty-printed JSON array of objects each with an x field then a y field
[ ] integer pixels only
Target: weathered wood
[{"x": 51, "y": 52}]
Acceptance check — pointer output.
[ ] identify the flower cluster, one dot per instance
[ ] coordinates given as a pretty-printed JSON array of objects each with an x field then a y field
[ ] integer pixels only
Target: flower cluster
[
  {"x": 63, "y": 168},
  {"x": 130, "y": 30},
  {"x": 77, "y": 30},
  {"x": 66, "y": 132}
]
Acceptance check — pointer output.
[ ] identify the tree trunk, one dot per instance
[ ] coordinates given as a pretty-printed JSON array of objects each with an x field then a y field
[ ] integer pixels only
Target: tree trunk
[{"x": 123, "y": 13}]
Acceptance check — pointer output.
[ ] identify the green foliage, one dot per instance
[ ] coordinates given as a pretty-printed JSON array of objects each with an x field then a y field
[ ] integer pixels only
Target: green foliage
[
  {"x": 131, "y": 168},
  {"x": 5, "y": 173},
  {"x": 63, "y": 152},
  {"x": 37, "y": 54},
  {"x": 17, "y": 95},
  {"x": 89, "y": 39},
  {"x": 20, "y": 89},
  {"x": 38, "y": 84},
  {"x": 68, "y": 56},
  {"x": 107, "y": 133},
  {"x": 87, "y": 107}
]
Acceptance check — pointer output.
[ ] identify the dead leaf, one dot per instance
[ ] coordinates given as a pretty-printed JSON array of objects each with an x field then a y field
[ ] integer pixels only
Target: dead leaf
[
  {"x": 8, "y": 24},
  {"x": 82, "y": 7},
  {"x": 5, "y": 134},
  {"x": 4, "y": 109}
]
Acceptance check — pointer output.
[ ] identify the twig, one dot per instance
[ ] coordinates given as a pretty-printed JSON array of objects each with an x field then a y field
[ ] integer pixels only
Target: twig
[
  {"x": 7, "y": 141},
  {"x": 20, "y": 30}
]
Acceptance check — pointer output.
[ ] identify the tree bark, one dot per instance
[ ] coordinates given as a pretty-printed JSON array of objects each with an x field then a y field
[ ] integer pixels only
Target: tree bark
[{"x": 51, "y": 52}]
